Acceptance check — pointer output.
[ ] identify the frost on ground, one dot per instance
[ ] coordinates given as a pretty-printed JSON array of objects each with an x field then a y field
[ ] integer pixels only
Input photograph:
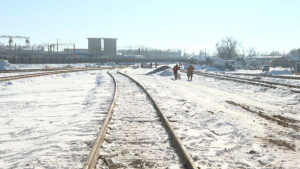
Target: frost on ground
[
  {"x": 52, "y": 121},
  {"x": 227, "y": 124},
  {"x": 4, "y": 65}
]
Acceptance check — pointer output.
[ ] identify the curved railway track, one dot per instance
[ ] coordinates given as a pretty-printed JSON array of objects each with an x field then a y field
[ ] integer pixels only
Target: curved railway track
[
  {"x": 135, "y": 133},
  {"x": 56, "y": 71},
  {"x": 273, "y": 85}
]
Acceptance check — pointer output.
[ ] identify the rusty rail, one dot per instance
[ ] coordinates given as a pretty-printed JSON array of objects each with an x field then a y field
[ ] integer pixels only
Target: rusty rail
[{"x": 94, "y": 153}]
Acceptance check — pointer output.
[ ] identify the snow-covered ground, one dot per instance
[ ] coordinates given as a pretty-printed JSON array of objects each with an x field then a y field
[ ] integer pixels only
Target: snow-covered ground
[
  {"x": 51, "y": 121},
  {"x": 218, "y": 133},
  {"x": 4, "y": 65}
]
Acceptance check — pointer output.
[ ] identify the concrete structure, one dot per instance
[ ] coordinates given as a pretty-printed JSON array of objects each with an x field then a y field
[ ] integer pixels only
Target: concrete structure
[
  {"x": 94, "y": 46},
  {"x": 109, "y": 44}
]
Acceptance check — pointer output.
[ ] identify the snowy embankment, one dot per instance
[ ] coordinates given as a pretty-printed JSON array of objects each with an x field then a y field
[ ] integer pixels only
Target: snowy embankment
[
  {"x": 4, "y": 65},
  {"x": 51, "y": 121},
  {"x": 218, "y": 133}
]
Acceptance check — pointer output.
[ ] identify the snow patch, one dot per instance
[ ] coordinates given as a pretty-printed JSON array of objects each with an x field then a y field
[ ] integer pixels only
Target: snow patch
[
  {"x": 4, "y": 65},
  {"x": 109, "y": 64},
  {"x": 211, "y": 69},
  {"x": 280, "y": 72},
  {"x": 167, "y": 72}
]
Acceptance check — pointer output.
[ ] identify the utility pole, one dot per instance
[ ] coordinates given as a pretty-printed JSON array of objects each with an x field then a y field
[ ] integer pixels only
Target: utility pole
[
  {"x": 200, "y": 54},
  {"x": 243, "y": 53},
  {"x": 147, "y": 54},
  {"x": 57, "y": 47},
  {"x": 15, "y": 49},
  {"x": 74, "y": 51}
]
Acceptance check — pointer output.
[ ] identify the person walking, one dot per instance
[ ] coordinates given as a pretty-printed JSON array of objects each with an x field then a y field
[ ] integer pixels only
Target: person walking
[
  {"x": 190, "y": 72},
  {"x": 175, "y": 70},
  {"x": 155, "y": 65}
]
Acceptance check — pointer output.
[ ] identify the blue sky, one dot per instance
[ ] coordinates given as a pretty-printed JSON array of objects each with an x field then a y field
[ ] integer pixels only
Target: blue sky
[{"x": 177, "y": 24}]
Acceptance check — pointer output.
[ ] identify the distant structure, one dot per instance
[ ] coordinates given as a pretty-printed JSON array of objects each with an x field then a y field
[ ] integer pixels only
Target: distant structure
[{"x": 109, "y": 46}]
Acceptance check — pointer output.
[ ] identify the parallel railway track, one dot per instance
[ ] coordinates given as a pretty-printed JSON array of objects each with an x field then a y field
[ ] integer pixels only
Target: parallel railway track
[
  {"x": 265, "y": 75},
  {"x": 136, "y": 134},
  {"x": 32, "y": 70},
  {"x": 53, "y": 72},
  {"x": 273, "y": 85}
]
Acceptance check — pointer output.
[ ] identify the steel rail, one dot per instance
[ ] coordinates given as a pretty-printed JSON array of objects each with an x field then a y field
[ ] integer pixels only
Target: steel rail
[
  {"x": 9, "y": 78},
  {"x": 250, "y": 81},
  {"x": 263, "y": 75},
  {"x": 180, "y": 149},
  {"x": 43, "y": 70},
  {"x": 32, "y": 70},
  {"x": 261, "y": 81},
  {"x": 94, "y": 153}
]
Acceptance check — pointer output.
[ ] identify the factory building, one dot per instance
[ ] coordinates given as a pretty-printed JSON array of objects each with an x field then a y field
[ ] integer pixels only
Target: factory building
[{"x": 109, "y": 46}]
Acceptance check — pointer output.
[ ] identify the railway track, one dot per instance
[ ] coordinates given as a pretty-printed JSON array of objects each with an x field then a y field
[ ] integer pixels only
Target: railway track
[
  {"x": 53, "y": 72},
  {"x": 137, "y": 134},
  {"x": 264, "y": 75},
  {"x": 273, "y": 85},
  {"x": 32, "y": 70}
]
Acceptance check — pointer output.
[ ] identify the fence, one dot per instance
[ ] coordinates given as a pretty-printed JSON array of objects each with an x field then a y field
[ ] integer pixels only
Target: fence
[{"x": 61, "y": 60}]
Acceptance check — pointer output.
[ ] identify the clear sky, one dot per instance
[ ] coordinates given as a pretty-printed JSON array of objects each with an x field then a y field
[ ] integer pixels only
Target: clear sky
[{"x": 177, "y": 24}]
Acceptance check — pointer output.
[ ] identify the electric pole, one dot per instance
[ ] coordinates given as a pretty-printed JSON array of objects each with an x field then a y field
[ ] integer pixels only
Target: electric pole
[
  {"x": 74, "y": 51},
  {"x": 57, "y": 47}
]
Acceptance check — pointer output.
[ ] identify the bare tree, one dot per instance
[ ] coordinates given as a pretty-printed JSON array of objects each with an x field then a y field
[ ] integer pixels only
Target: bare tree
[
  {"x": 293, "y": 52},
  {"x": 275, "y": 53},
  {"x": 227, "y": 48},
  {"x": 251, "y": 52}
]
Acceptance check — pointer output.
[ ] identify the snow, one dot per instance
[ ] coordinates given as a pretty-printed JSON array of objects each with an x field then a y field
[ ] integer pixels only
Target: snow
[
  {"x": 198, "y": 67},
  {"x": 52, "y": 121},
  {"x": 167, "y": 72},
  {"x": 280, "y": 72},
  {"x": 212, "y": 69},
  {"x": 4, "y": 65},
  {"x": 109, "y": 64},
  {"x": 42, "y": 66},
  {"x": 216, "y": 133}
]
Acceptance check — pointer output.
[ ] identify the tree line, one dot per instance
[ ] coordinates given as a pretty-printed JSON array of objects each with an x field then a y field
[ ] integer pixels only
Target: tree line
[{"x": 229, "y": 47}]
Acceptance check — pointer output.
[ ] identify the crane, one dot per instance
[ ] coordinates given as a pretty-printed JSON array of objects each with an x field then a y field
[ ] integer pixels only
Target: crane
[{"x": 10, "y": 41}]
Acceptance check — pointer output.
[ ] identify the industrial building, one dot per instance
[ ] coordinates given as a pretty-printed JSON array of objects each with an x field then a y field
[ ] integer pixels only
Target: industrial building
[{"x": 109, "y": 46}]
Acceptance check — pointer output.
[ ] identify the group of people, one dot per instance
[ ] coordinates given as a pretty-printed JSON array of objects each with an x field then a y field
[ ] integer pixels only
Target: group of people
[
  {"x": 189, "y": 73},
  {"x": 142, "y": 65}
]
